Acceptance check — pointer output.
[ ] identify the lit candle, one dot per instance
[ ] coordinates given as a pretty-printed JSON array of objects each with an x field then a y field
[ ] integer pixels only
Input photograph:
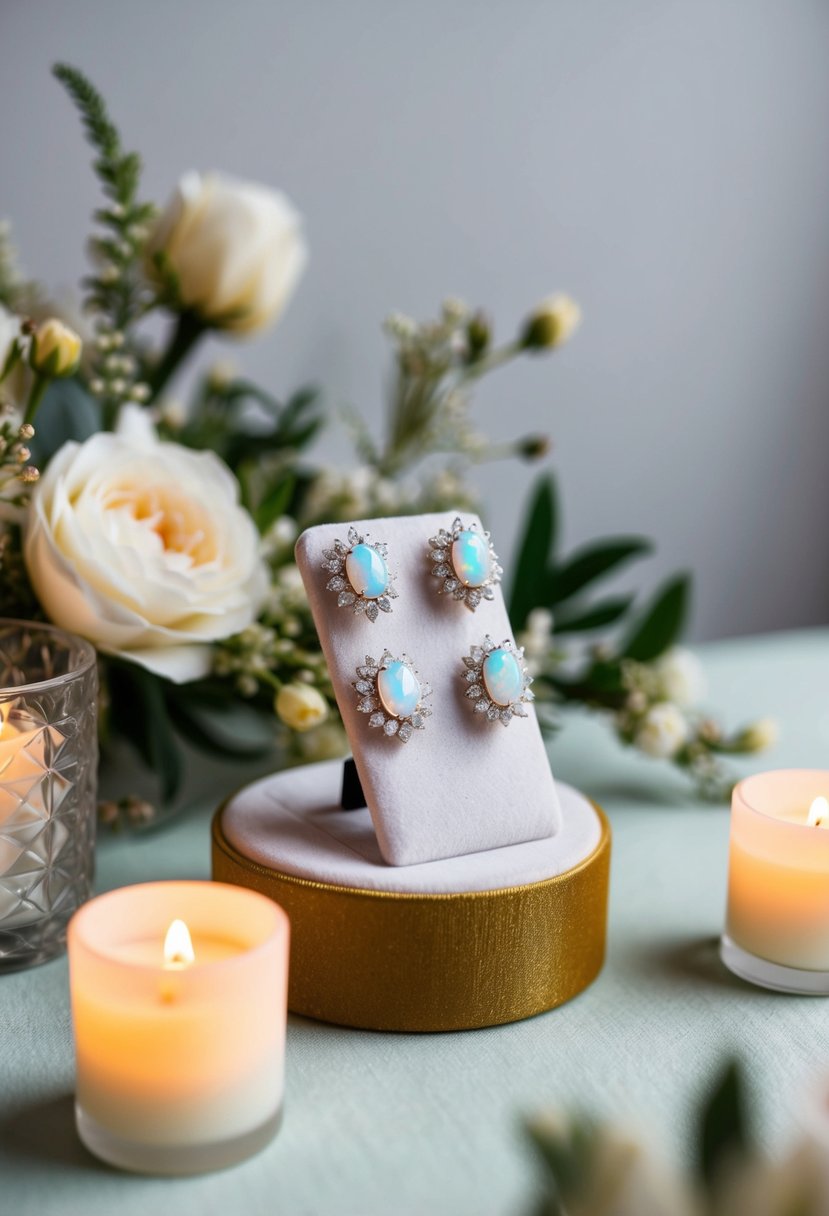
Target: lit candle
[
  {"x": 25, "y": 800},
  {"x": 777, "y": 927},
  {"x": 179, "y": 1005}
]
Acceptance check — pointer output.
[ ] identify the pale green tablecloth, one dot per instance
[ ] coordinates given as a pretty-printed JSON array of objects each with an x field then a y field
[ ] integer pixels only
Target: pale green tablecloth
[{"x": 385, "y": 1125}]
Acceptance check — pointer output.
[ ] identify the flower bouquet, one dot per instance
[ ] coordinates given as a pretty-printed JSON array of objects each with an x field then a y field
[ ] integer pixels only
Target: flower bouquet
[{"x": 165, "y": 534}]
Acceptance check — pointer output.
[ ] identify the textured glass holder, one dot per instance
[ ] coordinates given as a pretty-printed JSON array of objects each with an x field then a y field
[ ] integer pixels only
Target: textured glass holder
[{"x": 48, "y": 762}]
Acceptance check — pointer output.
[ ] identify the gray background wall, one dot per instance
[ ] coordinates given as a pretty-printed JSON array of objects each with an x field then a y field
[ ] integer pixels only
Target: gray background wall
[{"x": 665, "y": 162}]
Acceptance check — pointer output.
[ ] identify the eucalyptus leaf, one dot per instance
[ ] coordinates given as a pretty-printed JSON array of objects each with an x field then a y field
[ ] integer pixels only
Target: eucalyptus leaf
[
  {"x": 66, "y": 412},
  {"x": 234, "y": 730},
  {"x": 138, "y": 711},
  {"x": 534, "y": 551},
  {"x": 588, "y": 565},
  {"x": 663, "y": 622}
]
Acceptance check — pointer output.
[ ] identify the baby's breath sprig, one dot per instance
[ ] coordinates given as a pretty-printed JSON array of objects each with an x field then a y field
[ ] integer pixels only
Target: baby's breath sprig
[{"x": 117, "y": 292}]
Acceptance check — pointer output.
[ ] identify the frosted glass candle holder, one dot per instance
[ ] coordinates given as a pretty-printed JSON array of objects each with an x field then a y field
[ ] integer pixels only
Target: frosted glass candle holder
[
  {"x": 777, "y": 924},
  {"x": 48, "y": 769},
  {"x": 180, "y": 1056}
]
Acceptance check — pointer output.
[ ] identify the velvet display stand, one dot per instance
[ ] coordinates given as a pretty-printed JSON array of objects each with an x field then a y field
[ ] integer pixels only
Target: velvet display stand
[
  {"x": 470, "y": 891},
  {"x": 465, "y": 942}
]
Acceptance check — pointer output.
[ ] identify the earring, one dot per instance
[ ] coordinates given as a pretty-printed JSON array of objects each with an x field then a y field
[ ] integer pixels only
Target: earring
[
  {"x": 391, "y": 691},
  {"x": 497, "y": 680},
  {"x": 466, "y": 563},
  {"x": 361, "y": 575}
]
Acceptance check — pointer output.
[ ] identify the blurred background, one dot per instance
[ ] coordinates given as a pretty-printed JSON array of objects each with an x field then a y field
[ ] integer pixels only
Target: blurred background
[{"x": 664, "y": 163}]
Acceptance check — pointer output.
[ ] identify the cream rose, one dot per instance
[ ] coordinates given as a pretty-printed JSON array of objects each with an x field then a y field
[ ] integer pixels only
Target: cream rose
[
  {"x": 235, "y": 247},
  {"x": 142, "y": 547}
]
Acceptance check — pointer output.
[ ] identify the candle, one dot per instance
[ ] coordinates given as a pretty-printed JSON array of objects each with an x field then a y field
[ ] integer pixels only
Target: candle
[
  {"x": 179, "y": 1005},
  {"x": 777, "y": 926}
]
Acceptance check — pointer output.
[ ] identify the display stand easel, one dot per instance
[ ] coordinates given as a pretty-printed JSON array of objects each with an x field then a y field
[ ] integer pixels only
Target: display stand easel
[{"x": 469, "y": 892}]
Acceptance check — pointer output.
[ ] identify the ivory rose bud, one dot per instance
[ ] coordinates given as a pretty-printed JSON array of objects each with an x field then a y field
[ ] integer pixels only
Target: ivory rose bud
[
  {"x": 300, "y": 706},
  {"x": 142, "y": 547},
  {"x": 56, "y": 349},
  {"x": 235, "y": 248},
  {"x": 680, "y": 676},
  {"x": 552, "y": 323}
]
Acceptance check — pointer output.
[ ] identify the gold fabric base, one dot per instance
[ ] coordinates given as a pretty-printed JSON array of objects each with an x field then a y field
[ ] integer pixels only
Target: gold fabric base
[{"x": 384, "y": 960}]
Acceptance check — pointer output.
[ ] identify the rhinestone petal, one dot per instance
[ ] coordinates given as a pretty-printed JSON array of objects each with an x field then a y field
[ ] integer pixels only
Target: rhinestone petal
[
  {"x": 377, "y": 719},
  {"x": 481, "y": 707},
  {"x": 405, "y": 732},
  {"x": 337, "y": 583},
  {"x": 364, "y": 686},
  {"x": 367, "y": 705},
  {"x": 372, "y": 611},
  {"x": 474, "y": 692},
  {"x": 391, "y": 727},
  {"x": 345, "y": 597}
]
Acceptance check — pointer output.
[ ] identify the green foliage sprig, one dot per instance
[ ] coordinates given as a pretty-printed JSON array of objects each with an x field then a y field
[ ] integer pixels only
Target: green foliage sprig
[{"x": 117, "y": 293}]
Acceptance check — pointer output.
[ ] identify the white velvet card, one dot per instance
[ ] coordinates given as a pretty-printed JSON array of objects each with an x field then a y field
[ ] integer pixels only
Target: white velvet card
[{"x": 463, "y": 784}]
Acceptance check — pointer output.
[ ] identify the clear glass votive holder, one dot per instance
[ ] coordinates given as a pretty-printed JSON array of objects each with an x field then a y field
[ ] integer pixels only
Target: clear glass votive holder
[{"x": 48, "y": 772}]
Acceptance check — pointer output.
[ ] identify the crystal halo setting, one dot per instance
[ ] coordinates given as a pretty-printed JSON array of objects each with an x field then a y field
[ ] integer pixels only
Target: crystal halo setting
[
  {"x": 360, "y": 575},
  {"x": 466, "y": 564},
  {"x": 497, "y": 681},
  {"x": 391, "y": 691}
]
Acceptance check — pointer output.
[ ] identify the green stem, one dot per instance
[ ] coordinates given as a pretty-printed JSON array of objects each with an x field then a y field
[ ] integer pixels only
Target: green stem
[
  {"x": 39, "y": 386},
  {"x": 189, "y": 328}
]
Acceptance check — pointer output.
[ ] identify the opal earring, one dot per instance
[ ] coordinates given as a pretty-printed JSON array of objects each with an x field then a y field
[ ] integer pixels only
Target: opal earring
[
  {"x": 498, "y": 681},
  {"x": 392, "y": 692},
  {"x": 360, "y": 575},
  {"x": 466, "y": 563}
]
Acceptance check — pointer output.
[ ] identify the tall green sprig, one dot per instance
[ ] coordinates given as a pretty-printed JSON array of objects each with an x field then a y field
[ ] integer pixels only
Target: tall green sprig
[{"x": 117, "y": 292}]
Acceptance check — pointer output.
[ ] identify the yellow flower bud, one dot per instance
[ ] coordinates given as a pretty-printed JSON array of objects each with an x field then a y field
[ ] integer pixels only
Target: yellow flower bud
[
  {"x": 552, "y": 323},
  {"x": 300, "y": 706},
  {"x": 56, "y": 349}
]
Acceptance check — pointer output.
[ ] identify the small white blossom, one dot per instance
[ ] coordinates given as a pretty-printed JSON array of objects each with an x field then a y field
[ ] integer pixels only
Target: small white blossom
[
  {"x": 663, "y": 732},
  {"x": 680, "y": 677}
]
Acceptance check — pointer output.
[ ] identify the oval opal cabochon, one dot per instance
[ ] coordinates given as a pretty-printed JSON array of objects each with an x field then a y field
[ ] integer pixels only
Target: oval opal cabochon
[
  {"x": 399, "y": 689},
  {"x": 470, "y": 559},
  {"x": 503, "y": 677},
  {"x": 367, "y": 572}
]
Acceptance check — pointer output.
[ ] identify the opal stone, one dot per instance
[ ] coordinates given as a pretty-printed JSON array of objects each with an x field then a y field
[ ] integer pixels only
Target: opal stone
[
  {"x": 399, "y": 689},
  {"x": 367, "y": 572},
  {"x": 503, "y": 677},
  {"x": 470, "y": 558}
]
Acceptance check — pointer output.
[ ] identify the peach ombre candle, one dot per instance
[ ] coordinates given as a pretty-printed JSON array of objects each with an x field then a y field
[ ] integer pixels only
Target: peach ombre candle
[
  {"x": 777, "y": 925},
  {"x": 179, "y": 1006}
]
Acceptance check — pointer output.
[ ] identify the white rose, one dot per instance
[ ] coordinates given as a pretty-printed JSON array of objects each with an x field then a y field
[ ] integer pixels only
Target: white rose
[
  {"x": 680, "y": 677},
  {"x": 142, "y": 547},
  {"x": 235, "y": 247},
  {"x": 663, "y": 731}
]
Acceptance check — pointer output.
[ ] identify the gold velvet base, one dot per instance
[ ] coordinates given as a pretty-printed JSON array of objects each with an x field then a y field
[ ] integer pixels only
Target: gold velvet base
[{"x": 384, "y": 960}]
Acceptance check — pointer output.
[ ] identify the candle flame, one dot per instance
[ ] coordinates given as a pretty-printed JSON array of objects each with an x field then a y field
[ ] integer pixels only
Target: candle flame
[
  {"x": 819, "y": 812},
  {"x": 178, "y": 947}
]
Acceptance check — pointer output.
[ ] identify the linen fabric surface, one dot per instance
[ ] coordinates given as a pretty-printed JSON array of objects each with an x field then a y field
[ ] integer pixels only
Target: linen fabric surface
[
  {"x": 409, "y": 1124},
  {"x": 462, "y": 785}
]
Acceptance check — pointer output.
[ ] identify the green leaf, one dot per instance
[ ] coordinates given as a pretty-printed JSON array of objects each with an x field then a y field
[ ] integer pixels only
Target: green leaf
[
  {"x": 66, "y": 412},
  {"x": 275, "y": 503},
  {"x": 535, "y": 549},
  {"x": 662, "y": 624},
  {"x": 592, "y": 563},
  {"x": 233, "y": 730},
  {"x": 596, "y": 616},
  {"x": 723, "y": 1129},
  {"x": 139, "y": 713}
]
